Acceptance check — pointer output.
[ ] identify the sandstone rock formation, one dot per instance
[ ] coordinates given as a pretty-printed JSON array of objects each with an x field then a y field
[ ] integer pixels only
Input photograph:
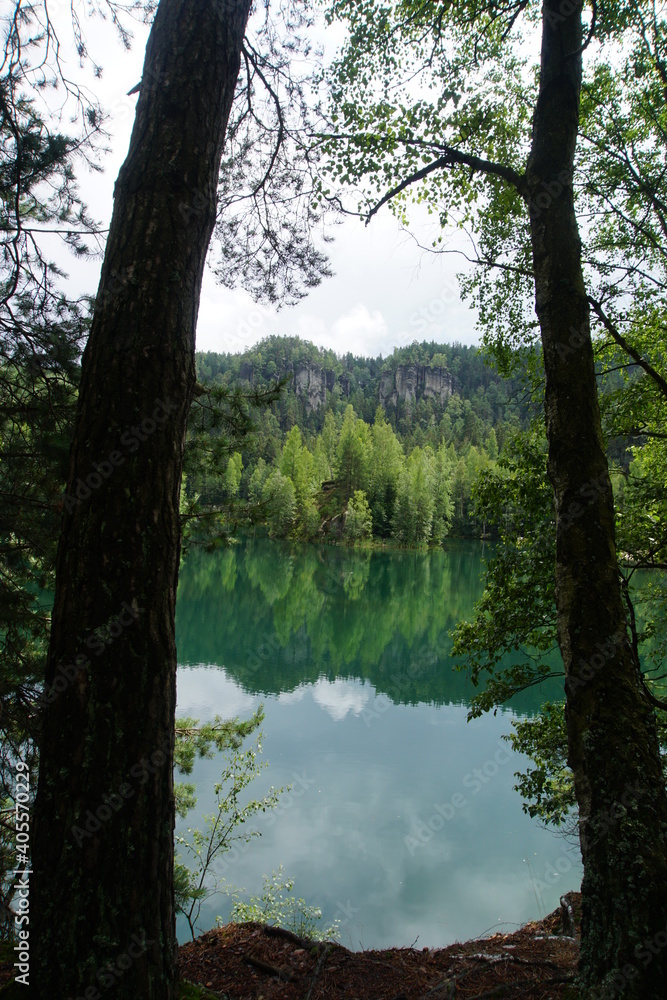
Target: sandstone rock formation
[
  {"x": 410, "y": 383},
  {"x": 311, "y": 383}
]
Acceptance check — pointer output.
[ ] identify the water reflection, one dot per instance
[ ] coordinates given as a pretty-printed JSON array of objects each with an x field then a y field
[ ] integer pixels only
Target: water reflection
[
  {"x": 278, "y": 616},
  {"x": 406, "y": 824}
]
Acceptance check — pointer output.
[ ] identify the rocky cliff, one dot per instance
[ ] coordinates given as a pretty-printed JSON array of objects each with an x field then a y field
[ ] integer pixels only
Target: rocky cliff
[
  {"x": 312, "y": 383},
  {"x": 407, "y": 384},
  {"x": 410, "y": 383}
]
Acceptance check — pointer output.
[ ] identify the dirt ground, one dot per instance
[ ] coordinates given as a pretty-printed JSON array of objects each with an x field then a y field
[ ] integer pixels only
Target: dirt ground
[{"x": 256, "y": 962}]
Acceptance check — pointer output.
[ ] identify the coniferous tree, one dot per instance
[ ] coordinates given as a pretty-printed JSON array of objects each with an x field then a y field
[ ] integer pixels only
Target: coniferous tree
[{"x": 106, "y": 751}]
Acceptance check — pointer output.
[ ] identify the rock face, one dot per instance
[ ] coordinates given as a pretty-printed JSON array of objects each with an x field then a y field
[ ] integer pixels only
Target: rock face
[
  {"x": 407, "y": 385},
  {"x": 410, "y": 383},
  {"x": 311, "y": 383}
]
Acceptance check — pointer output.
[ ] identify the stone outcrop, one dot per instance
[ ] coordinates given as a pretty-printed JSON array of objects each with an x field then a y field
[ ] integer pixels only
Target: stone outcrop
[
  {"x": 410, "y": 383},
  {"x": 406, "y": 385},
  {"x": 312, "y": 383}
]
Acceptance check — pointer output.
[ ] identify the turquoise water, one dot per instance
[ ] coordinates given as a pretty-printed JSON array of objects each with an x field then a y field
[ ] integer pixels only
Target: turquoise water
[{"x": 402, "y": 823}]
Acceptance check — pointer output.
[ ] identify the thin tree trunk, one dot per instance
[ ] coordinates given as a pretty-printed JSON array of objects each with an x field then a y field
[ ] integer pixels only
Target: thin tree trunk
[
  {"x": 102, "y": 912},
  {"x": 613, "y": 747}
]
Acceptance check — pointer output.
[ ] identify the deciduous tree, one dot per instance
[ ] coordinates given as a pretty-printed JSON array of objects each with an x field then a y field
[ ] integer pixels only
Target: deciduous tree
[{"x": 495, "y": 149}]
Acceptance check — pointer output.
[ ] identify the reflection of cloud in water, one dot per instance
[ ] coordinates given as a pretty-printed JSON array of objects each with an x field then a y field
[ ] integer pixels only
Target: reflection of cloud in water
[
  {"x": 292, "y": 697},
  {"x": 375, "y": 771},
  {"x": 340, "y": 697},
  {"x": 203, "y": 691},
  {"x": 365, "y": 788}
]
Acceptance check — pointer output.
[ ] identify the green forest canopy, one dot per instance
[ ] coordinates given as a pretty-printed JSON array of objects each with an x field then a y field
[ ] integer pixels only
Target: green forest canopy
[{"x": 410, "y": 432}]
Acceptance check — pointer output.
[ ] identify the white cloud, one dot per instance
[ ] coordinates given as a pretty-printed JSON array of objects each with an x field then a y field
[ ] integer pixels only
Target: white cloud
[
  {"x": 229, "y": 320},
  {"x": 360, "y": 330},
  {"x": 385, "y": 291}
]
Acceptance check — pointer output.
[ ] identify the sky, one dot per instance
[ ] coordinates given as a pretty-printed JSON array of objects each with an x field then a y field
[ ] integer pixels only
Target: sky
[{"x": 385, "y": 292}]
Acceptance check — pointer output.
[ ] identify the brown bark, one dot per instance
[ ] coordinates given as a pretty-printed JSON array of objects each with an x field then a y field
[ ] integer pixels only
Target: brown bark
[
  {"x": 613, "y": 747},
  {"x": 102, "y": 913}
]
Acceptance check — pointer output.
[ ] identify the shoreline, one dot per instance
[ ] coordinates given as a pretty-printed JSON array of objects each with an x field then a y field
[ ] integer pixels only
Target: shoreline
[{"x": 244, "y": 961}]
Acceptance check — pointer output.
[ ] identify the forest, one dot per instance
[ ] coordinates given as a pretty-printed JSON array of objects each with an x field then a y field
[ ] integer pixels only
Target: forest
[
  {"x": 357, "y": 448},
  {"x": 535, "y": 131}
]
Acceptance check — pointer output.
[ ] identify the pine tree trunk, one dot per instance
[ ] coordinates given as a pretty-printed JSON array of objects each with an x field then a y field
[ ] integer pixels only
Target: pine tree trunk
[
  {"x": 102, "y": 915},
  {"x": 613, "y": 747}
]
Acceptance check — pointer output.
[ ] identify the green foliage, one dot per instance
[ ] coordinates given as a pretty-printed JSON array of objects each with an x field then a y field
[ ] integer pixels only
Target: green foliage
[
  {"x": 277, "y": 906},
  {"x": 197, "y": 880},
  {"x": 222, "y": 420},
  {"x": 352, "y": 454},
  {"x": 358, "y": 520},
  {"x": 232, "y": 478},
  {"x": 386, "y": 462},
  {"x": 204, "y": 740},
  {"x": 635, "y": 410},
  {"x": 510, "y": 643},
  {"x": 290, "y": 455},
  {"x": 324, "y": 456},
  {"x": 548, "y": 788},
  {"x": 279, "y": 498},
  {"x": 443, "y": 510},
  {"x": 256, "y": 483},
  {"x": 415, "y": 503},
  {"x": 190, "y": 991},
  {"x": 41, "y": 336},
  {"x": 299, "y": 466},
  {"x": 424, "y": 508}
]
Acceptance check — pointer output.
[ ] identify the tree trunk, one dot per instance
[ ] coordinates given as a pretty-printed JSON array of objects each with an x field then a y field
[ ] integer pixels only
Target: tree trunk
[
  {"x": 102, "y": 915},
  {"x": 613, "y": 747}
]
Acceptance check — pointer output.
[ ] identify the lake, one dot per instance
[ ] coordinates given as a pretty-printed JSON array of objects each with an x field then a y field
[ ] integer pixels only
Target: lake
[{"x": 402, "y": 823}]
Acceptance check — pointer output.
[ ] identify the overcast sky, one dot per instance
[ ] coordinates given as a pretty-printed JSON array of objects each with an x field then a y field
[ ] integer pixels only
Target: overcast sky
[{"x": 386, "y": 292}]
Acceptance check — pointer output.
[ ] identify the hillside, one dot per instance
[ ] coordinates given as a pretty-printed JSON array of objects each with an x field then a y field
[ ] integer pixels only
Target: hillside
[
  {"x": 413, "y": 385},
  {"x": 365, "y": 447}
]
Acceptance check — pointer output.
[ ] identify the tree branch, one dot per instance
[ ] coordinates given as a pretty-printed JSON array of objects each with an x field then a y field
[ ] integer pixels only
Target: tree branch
[
  {"x": 591, "y": 31},
  {"x": 451, "y": 158},
  {"x": 615, "y": 333},
  {"x": 640, "y": 432}
]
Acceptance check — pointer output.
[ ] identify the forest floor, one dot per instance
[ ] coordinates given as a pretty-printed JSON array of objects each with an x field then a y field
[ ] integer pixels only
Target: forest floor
[{"x": 258, "y": 962}]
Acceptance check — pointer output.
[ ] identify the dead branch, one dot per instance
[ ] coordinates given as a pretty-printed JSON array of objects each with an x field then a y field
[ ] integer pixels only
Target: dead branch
[
  {"x": 318, "y": 968},
  {"x": 271, "y": 970}
]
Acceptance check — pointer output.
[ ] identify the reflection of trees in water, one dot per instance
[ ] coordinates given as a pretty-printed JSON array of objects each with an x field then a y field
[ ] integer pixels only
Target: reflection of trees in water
[{"x": 277, "y": 616}]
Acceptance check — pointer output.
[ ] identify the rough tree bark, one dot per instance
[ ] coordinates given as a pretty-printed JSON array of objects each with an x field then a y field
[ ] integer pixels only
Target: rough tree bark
[
  {"x": 102, "y": 916},
  {"x": 613, "y": 747}
]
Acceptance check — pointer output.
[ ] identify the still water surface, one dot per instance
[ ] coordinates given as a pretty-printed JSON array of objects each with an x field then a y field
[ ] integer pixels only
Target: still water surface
[{"x": 402, "y": 823}]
